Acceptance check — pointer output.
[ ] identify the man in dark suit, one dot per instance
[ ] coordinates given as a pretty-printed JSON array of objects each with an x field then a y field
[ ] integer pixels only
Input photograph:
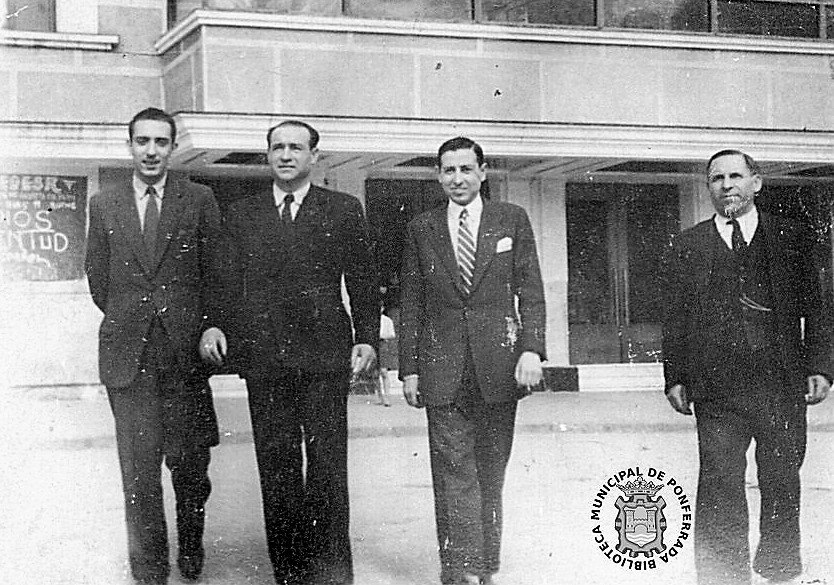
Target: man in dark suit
[
  {"x": 149, "y": 254},
  {"x": 286, "y": 252},
  {"x": 747, "y": 338},
  {"x": 472, "y": 333}
]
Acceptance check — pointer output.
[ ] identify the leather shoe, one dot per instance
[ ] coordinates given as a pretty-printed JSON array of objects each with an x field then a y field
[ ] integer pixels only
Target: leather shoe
[
  {"x": 469, "y": 579},
  {"x": 191, "y": 565}
]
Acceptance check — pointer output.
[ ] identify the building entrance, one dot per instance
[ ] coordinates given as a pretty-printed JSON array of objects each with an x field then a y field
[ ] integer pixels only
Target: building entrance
[{"x": 617, "y": 234}]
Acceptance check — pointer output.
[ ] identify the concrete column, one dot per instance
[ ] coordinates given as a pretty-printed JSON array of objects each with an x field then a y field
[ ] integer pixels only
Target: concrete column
[
  {"x": 349, "y": 180},
  {"x": 545, "y": 204},
  {"x": 695, "y": 203}
]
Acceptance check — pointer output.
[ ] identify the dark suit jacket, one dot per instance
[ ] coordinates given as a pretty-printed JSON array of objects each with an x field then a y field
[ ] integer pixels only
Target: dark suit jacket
[
  {"x": 796, "y": 290},
  {"x": 133, "y": 290},
  {"x": 280, "y": 301},
  {"x": 438, "y": 320}
]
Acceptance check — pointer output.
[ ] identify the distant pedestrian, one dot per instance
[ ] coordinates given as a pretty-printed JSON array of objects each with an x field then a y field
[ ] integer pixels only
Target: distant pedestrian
[
  {"x": 150, "y": 253},
  {"x": 747, "y": 339},
  {"x": 388, "y": 358}
]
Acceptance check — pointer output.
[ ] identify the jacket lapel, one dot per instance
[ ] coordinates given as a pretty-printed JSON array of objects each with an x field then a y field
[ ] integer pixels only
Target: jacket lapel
[
  {"x": 128, "y": 218},
  {"x": 488, "y": 236},
  {"x": 441, "y": 241},
  {"x": 173, "y": 204}
]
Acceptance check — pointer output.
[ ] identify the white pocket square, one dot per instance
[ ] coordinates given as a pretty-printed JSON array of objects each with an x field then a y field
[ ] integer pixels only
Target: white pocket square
[{"x": 504, "y": 245}]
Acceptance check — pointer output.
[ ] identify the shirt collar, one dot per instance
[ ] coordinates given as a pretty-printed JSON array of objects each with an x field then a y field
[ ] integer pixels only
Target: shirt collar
[
  {"x": 747, "y": 222},
  {"x": 299, "y": 194},
  {"x": 475, "y": 207},
  {"x": 140, "y": 187}
]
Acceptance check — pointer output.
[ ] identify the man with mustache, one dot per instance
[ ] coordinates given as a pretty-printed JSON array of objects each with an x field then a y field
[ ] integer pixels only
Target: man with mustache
[
  {"x": 747, "y": 342},
  {"x": 150, "y": 253}
]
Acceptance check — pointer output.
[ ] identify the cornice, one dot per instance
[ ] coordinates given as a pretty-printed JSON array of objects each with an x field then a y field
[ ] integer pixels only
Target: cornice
[
  {"x": 58, "y": 40},
  {"x": 498, "y": 32}
]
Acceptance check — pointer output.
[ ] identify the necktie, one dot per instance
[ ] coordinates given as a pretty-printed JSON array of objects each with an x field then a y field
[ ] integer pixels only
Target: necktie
[
  {"x": 151, "y": 222},
  {"x": 737, "y": 239},
  {"x": 286, "y": 211},
  {"x": 465, "y": 251}
]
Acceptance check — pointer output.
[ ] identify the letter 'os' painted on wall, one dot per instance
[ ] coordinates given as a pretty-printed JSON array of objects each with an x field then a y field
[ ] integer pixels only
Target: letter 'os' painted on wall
[{"x": 42, "y": 227}]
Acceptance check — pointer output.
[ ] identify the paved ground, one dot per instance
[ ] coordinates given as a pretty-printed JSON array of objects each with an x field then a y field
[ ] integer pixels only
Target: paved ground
[{"x": 61, "y": 519}]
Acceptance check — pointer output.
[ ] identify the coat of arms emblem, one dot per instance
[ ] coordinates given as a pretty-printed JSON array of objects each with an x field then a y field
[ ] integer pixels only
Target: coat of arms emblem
[{"x": 640, "y": 521}]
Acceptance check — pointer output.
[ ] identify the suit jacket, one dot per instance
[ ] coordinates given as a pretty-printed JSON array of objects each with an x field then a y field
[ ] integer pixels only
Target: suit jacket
[
  {"x": 133, "y": 289},
  {"x": 503, "y": 316},
  {"x": 280, "y": 301},
  {"x": 801, "y": 310}
]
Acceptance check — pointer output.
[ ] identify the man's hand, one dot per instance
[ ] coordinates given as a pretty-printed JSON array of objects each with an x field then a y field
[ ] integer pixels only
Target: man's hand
[
  {"x": 818, "y": 387},
  {"x": 213, "y": 346},
  {"x": 362, "y": 358},
  {"x": 528, "y": 370},
  {"x": 410, "y": 392},
  {"x": 677, "y": 398}
]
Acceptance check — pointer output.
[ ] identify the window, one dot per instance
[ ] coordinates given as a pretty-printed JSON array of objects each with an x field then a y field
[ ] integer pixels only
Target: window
[
  {"x": 34, "y": 15},
  {"x": 569, "y": 12},
  {"x": 454, "y": 10},
  {"x": 684, "y": 15},
  {"x": 781, "y": 19}
]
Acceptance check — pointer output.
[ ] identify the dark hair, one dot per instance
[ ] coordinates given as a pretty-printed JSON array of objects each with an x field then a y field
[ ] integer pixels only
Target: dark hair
[
  {"x": 314, "y": 134},
  {"x": 153, "y": 114},
  {"x": 460, "y": 143},
  {"x": 752, "y": 165}
]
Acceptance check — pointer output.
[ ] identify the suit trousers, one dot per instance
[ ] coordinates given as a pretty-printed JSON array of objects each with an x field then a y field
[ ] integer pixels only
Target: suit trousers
[
  {"x": 299, "y": 426},
  {"x": 469, "y": 445},
  {"x": 143, "y": 430},
  {"x": 776, "y": 420}
]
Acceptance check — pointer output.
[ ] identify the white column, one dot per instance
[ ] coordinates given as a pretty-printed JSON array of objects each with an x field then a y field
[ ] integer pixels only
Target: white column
[{"x": 545, "y": 204}]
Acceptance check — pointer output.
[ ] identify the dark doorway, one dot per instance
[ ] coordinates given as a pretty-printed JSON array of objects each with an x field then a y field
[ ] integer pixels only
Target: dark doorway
[{"x": 617, "y": 234}]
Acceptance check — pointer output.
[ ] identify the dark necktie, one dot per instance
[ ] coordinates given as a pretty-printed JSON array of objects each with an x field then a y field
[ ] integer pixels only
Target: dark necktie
[
  {"x": 286, "y": 211},
  {"x": 151, "y": 222},
  {"x": 465, "y": 251},
  {"x": 737, "y": 239}
]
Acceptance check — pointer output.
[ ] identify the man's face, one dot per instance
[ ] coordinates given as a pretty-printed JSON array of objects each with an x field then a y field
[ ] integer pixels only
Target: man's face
[
  {"x": 460, "y": 175},
  {"x": 732, "y": 186},
  {"x": 290, "y": 156},
  {"x": 151, "y": 148}
]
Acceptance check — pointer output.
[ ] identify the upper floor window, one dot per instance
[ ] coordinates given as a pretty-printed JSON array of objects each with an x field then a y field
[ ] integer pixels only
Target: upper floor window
[
  {"x": 34, "y": 15},
  {"x": 781, "y": 18}
]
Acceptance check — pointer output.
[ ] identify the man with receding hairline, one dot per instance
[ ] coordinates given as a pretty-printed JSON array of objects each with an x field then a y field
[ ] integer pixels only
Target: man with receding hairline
[
  {"x": 747, "y": 343},
  {"x": 286, "y": 251}
]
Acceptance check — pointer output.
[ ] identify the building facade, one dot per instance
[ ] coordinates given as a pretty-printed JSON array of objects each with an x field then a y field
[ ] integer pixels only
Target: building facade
[{"x": 596, "y": 116}]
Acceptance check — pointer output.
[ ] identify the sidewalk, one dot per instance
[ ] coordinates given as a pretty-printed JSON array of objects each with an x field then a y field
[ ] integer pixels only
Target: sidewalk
[{"x": 61, "y": 515}]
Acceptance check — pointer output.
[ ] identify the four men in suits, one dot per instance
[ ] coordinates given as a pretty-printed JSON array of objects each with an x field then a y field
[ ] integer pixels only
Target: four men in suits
[
  {"x": 747, "y": 339},
  {"x": 472, "y": 332},
  {"x": 284, "y": 327},
  {"x": 149, "y": 255}
]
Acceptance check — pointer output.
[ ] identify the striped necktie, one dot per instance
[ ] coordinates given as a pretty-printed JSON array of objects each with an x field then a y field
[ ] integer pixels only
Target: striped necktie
[
  {"x": 151, "y": 222},
  {"x": 465, "y": 251}
]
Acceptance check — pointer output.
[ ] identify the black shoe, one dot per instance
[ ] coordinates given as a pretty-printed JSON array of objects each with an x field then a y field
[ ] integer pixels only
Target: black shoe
[
  {"x": 151, "y": 581},
  {"x": 191, "y": 565}
]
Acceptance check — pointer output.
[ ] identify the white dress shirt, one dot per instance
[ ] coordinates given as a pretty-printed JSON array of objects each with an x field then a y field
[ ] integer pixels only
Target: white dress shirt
[
  {"x": 475, "y": 207},
  {"x": 748, "y": 223},
  {"x": 298, "y": 195},
  {"x": 140, "y": 188}
]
